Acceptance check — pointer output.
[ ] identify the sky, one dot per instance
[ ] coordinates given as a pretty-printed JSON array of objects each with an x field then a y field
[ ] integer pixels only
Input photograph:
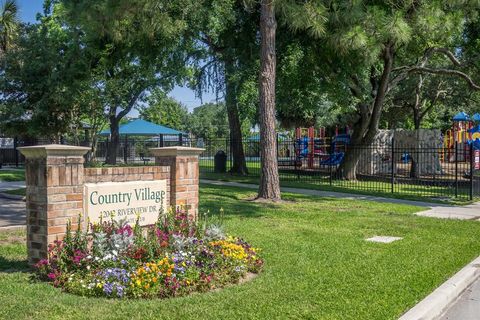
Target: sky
[{"x": 30, "y": 8}]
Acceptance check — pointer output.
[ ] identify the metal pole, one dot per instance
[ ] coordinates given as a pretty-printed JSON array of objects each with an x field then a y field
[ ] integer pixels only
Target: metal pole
[
  {"x": 125, "y": 149},
  {"x": 472, "y": 164},
  {"x": 330, "y": 166},
  {"x": 15, "y": 146},
  {"x": 392, "y": 178},
  {"x": 277, "y": 146},
  {"x": 456, "y": 169}
]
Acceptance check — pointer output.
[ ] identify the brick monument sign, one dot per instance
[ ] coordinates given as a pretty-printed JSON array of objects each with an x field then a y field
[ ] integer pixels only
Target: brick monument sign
[{"x": 60, "y": 188}]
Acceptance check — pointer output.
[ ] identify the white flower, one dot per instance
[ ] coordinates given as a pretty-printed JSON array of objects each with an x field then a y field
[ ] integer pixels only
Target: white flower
[
  {"x": 88, "y": 267},
  {"x": 89, "y": 257},
  {"x": 114, "y": 252}
]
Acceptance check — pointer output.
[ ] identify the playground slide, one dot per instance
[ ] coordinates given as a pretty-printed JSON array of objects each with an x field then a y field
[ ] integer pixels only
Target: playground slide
[{"x": 333, "y": 160}]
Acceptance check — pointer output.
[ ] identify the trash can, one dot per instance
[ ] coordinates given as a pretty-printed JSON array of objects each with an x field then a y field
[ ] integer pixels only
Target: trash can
[{"x": 220, "y": 162}]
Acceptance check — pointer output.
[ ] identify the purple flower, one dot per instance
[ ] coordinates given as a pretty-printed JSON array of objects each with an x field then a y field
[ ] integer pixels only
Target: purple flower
[{"x": 108, "y": 288}]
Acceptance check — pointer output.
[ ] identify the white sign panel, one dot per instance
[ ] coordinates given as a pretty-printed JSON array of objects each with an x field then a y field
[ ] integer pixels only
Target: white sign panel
[{"x": 125, "y": 200}]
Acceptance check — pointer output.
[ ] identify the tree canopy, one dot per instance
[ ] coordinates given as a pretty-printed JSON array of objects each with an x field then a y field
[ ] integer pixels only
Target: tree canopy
[{"x": 366, "y": 64}]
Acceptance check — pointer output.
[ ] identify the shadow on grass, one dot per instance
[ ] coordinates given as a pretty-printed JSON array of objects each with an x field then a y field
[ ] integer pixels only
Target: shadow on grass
[
  {"x": 15, "y": 265},
  {"x": 238, "y": 204}
]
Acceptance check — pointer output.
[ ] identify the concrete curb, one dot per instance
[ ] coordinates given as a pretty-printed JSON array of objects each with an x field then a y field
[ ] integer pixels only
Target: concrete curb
[{"x": 436, "y": 303}]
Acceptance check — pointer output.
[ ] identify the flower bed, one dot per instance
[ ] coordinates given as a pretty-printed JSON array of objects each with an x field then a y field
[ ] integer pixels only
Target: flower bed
[{"x": 174, "y": 257}]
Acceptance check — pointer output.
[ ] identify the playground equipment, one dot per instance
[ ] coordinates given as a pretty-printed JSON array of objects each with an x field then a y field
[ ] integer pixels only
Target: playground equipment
[
  {"x": 475, "y": 140},
  {"x": 311, "y": 143},
  {"x": 465, "y": 132},
  {"x": 378, "y": 158}
]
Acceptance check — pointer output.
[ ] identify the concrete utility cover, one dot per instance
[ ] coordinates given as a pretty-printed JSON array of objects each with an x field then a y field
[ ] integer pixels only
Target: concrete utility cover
[{"x": 383, "y": 239}]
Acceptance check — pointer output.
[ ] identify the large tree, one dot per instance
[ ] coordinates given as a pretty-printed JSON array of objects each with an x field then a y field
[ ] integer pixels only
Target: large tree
[
  {"x": 162, "y": 109},
  {"x": 135, "y": 46},
  {"x": 42, "y": 80},
  {"x": 209, "y": 122},
  {"x": 228, "y": 43},
  {"x": 269, "y": 179},
  {"x": 9, "y": 24},
  {"x": 307, "y": 15},
  {"x": 380, "y": 44}
]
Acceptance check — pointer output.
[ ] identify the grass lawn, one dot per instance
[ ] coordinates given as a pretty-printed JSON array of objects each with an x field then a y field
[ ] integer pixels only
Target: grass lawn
[
  {"x": 17, "y": 192},
  {"x": 12, "y": 175},
  {"x": 317, "y": 265}
]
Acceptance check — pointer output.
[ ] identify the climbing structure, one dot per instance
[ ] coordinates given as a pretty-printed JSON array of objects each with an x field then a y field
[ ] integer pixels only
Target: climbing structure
[{"x": 312, "y": 143}]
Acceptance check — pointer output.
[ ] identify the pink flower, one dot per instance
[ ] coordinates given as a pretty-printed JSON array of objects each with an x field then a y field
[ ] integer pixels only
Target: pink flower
[
  {"x": 42, "y": 262},
  {"x": 127, "y": 228},
  {"x": 51, "y": 276}
]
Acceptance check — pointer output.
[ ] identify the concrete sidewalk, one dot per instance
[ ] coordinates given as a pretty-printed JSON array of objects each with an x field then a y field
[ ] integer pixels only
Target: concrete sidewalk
[
  {"x": 12, "y": 212},
  {"x": 433, "y": 210},
  {"x": 4, "y": 185}
]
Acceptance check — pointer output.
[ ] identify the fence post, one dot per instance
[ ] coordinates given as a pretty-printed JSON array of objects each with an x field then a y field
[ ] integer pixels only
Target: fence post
[
  {"x": 456, "y": 169},
  {"x": 330, "y": 167},
  {"x": 277, "y": 146},
  {"x": 125, "y": 150},
  {"x": 15, "y": 146},
  {"x": 392, "y": 177},
  {"x": 472, "y": 164}
]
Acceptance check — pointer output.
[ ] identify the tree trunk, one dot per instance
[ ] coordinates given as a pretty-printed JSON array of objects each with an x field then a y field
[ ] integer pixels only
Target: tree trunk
[
  {"x": 112, "y": 149},
  {"x": 239, "y": 166},
  {"x": 365, "y": 129},
  {"x": 269, "y": 180},
  {"x": 414, "y": 169}
]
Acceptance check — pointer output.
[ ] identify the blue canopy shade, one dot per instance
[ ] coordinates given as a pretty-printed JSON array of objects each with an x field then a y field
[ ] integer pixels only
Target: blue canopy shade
[
  {"x": 141, "y": 127},
  {"x": 461, "y": 116},
  {"x": 476, "y": 117}
]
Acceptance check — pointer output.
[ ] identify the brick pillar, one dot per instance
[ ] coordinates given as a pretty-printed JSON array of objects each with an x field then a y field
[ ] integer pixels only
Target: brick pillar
[
  {"x": 184, "y": 174},
  {"x": 54, "y": 180}
]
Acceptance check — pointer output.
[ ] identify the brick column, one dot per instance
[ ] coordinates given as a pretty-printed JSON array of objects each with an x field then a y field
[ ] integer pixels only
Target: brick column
[
  {"x": 184, "y": 174},
  {"x": 54, "y": 180}
]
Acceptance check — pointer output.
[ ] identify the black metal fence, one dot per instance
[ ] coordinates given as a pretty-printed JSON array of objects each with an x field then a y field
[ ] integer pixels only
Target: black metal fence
[
  {"x": 131, "y": 149},
  {"x": 136, "y": 150},
  {"x": 435, "y": 173}
]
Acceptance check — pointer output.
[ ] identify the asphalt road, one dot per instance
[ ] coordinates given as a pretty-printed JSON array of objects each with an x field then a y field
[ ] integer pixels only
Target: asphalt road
[
  {"x": 467, "y": 307},
  {"x": 12, "y": 213}
]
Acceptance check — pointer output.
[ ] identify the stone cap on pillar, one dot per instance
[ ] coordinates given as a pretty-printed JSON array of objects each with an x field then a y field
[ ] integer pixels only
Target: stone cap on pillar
[
  {"x": 176, "y": 151},
  {"x": 53, "y": 150}
]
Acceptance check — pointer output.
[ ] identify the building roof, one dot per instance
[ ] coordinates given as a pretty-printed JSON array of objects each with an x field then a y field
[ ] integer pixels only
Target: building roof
[{"x": 140, "y": 127}]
